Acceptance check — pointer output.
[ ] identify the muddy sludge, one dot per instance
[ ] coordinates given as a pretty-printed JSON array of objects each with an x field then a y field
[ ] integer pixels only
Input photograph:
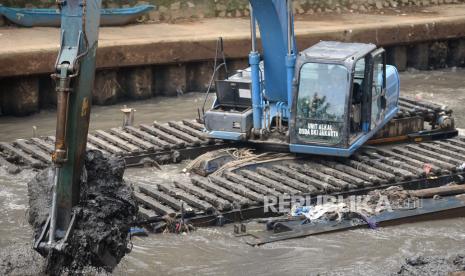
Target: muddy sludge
[
  {"x": 424, "y": 265},
  {"x": 104, "y": 215},
  {"x": 20, "y": 259}
]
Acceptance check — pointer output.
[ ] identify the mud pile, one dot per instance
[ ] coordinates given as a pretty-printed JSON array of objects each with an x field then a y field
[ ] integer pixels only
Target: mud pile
[
  {"x": 396, "y": 195},
  {"x": 104, "y": 215},
  {"x": 421, "y": 265}
]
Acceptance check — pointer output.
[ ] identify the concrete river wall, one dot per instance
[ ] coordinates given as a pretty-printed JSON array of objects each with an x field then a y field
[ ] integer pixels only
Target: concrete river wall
[{"x": 146, "y": 60}]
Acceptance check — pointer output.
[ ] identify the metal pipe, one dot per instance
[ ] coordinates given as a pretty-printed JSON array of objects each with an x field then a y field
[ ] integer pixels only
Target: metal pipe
[
  {"x": 291, "y": 56},
  {"x": 254, "y": 61},
  {"x": 289, "y": 28},
  {"x": 269, "y": 119},
  {"x": 53, "y": 212},
  {"x": 60, "y": 143},
  {"x": 59, "y": 156},
  {"x": 253, "y": 30}
]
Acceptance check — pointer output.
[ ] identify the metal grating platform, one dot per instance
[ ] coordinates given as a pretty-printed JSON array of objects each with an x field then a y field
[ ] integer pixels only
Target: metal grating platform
[
  {"x": 244, "y": 188},
  {"x": 160, "y": 142}
]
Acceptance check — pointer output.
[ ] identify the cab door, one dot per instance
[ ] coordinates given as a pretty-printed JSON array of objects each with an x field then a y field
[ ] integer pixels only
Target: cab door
[{"x": 378, "y": 87}]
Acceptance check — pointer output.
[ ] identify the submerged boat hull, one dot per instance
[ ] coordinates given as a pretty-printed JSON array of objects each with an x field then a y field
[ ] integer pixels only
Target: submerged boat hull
[{"x": 52, "y": 17}]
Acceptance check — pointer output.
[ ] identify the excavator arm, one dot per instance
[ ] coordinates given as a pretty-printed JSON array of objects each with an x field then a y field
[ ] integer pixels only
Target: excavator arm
[{"x": 74, "y": 75}]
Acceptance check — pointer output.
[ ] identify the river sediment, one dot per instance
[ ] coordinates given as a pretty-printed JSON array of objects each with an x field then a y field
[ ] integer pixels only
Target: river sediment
[{"x": 105, "y": 213}]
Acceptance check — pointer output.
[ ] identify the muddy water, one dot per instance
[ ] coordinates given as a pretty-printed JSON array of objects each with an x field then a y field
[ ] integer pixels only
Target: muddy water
[
  {"x": 162, "y": 109},
  {"x": 442, "y": 86},
  {"x": 214, "y": 251},
  {"x": 13, "y": 205},
  {"x": 445, "y": 87}
]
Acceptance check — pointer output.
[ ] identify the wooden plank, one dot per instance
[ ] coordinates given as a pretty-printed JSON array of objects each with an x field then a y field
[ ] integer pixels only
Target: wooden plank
[
  {"x": 250, "y": 184},
  {"x": 115, "y": 140},
  {"x": 163, "y": 135},
  {"x": 457, "y": 141},
  {"x": 207, "y": 184},
  {"x": 460, "y": 157},
  {"x": 33, "y": 150},
  {"x": 177, "y": 133},
  {"x": 284, "y": 180},
  {"x": 146, "y": 213},
  {"x": 165, "y": 198},
  {"x": 22, "y": 155},
  {"x": 133, "y": 139},
  {"x": 268, "y": 182},
  {"x": 220, "y": 203},
  {"x": 191, "y": 131},
  {"x": 194, "y": 125},
  {"x": 434, "y": 154},
  {"x": 357, "y": 173},
  {"x": 309, "y": 170},
  {"x": 148, "y": 137},
  {"x": 425, "y": 159},
  {"x": 441, "y": 191},
  {"x": 418, "y": 171},
  {"x": 153, "y": 204},
  {"x": 90, "y": 146},
  {"x": 370, "y": 170},
  {"x": 237, "y": 188},
  {"x": 450, "y": 146},
  {"x": 342, "y": 175},
  {"x": 43, "y": 145},
  {"x": 409, "y": 160},
  {"x": 294, "y": 172},
  {"x": 423, "y": 104},
  {"x": 188, "y": 198},
  {"x": 404, "y": 174},
  {"x": 105, "y": 145}
]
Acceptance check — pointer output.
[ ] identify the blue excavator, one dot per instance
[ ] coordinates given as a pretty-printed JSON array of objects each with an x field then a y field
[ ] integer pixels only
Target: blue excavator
[{"x": 328, "y": 99}]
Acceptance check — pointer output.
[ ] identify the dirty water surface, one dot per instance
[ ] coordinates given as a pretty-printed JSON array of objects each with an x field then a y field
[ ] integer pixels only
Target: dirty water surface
[
  {"x": 215, "y": 251},
  {"x": 441, "y": 86}
]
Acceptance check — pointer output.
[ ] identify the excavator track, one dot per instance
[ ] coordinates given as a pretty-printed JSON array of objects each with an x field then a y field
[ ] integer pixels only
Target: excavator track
[
  {"x": 164, "y": 143},
  {"x": 240, "y": 193}
]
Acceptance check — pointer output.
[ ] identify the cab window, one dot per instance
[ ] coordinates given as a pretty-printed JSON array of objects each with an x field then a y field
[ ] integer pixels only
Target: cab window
[{"x": 321, "y": 103}]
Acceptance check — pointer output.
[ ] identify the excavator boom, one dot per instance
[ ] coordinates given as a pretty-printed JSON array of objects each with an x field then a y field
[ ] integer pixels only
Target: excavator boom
[{"x": 74, "y": 75}]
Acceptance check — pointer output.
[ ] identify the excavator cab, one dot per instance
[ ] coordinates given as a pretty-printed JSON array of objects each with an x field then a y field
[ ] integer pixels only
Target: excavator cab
[{"x": 341, "y": 97}]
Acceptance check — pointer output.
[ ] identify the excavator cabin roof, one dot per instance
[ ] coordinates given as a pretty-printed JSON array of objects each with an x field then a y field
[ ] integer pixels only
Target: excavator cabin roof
[{"x": 338, "y": 51}]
